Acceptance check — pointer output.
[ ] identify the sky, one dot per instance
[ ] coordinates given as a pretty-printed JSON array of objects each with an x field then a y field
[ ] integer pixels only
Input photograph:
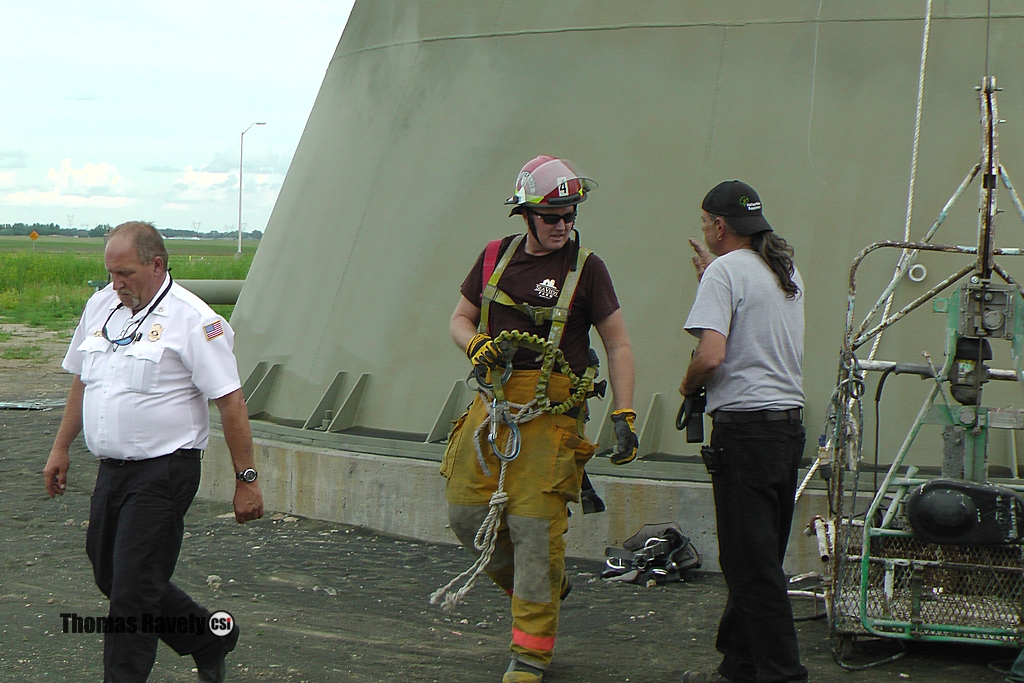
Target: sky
[{"x": 113, "y": 111}]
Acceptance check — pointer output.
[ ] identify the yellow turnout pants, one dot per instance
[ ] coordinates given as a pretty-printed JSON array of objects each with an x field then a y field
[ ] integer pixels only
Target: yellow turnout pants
[{"x": 529, "y": 562}]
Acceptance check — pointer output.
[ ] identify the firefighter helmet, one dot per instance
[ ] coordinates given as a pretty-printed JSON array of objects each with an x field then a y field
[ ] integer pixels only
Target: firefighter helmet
[{"x": 549, "y": 181}]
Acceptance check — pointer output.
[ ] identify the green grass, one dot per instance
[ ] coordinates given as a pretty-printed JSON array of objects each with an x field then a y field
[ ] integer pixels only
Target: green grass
[
  {"x": 49, "y": 287},
  {"x": 5, "y": 337},
  {"x": 21, "y": 353},
  {"x": 49, "y": 244},
  {"x": 52, "y": 306}
]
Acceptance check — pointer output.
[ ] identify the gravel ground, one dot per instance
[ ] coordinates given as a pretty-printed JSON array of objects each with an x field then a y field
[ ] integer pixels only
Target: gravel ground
[{"x": 319, "y": 601}]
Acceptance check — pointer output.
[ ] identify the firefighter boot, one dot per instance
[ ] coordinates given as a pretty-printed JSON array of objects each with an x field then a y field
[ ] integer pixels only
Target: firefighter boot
[{"x": 520, "y": 672}]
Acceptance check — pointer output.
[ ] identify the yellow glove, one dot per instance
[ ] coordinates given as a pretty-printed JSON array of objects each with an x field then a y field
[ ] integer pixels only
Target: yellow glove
[
  {"x": 484, "y": 353},
  {"x": 625, "y": 451}
]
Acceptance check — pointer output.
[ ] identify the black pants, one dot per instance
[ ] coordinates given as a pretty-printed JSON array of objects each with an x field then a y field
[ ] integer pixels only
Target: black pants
[
  {"x": 136, "y": 523},
  {"x": 754, "y": 509}
]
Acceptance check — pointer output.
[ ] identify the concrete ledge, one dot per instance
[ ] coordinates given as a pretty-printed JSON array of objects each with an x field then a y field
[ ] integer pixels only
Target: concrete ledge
[{"x": 405, "y": 497}]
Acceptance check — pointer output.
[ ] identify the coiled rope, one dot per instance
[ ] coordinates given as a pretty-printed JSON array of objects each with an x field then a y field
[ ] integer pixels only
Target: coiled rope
[
  {"x": 486, "y": 541},
  {"x": 513, "y": 339}
]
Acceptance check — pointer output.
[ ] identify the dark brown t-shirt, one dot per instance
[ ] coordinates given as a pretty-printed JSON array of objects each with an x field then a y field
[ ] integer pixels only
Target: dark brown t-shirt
[{"x": 537, "y": 281}]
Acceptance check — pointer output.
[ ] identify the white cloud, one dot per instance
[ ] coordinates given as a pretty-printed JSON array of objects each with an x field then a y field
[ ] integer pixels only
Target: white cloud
[
  {"x": 13, "y": 158},
  {"x": 202, "y": 186},
  {"x": 8, "y": 179},
  {"x": 255, "y": 161},
  {"x": 93, "y": 185}
]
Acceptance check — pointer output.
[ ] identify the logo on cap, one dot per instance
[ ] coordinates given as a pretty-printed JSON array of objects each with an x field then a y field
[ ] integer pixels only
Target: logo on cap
[{"x": 749, "y": 205}]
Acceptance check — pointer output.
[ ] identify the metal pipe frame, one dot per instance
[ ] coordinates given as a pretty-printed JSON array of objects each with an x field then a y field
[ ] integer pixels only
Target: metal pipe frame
[
  {"x": 908, "y": 257},
  {"x": 850, "y": 372}
]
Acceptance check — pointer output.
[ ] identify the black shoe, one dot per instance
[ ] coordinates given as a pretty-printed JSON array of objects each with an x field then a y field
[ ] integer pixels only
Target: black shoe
[
  {"x": 213, "y": 669},
  {"x": 589, "y": 499},
  {"x": 702, "y": 677}
]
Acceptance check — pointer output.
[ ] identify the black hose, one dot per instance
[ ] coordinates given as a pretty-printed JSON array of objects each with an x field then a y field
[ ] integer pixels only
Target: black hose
[
  {"x": 838, "y": 656},
  {"x": 878, "y": 400}
]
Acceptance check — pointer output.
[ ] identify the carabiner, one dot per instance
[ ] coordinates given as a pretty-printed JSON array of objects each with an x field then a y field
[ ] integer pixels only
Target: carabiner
[
  {"x": 492, "y": 435},
  {"x": 481, "y": 373}
]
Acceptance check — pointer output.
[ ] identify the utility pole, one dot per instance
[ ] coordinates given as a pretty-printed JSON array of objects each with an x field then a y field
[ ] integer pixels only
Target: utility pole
[{"x": 241, "y": 147}]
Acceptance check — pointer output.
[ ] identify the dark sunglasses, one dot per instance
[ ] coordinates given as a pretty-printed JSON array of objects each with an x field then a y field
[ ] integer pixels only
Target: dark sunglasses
[
  {"x": 132, "y": 336},
  {"x": 553, "y": 218}
]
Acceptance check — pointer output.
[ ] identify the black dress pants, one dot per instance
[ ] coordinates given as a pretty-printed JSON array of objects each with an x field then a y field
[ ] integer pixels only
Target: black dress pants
[
  {"x": 136, "y": 522},
  {"x": 754, "y": 492}
]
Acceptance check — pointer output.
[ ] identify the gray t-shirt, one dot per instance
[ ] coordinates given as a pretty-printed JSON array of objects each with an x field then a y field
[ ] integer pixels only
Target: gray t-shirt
[{"x": 739, "y": 297}]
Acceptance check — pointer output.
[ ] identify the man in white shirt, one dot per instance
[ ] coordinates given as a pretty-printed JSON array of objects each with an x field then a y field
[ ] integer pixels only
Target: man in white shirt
[
  {"x": 146, "y": 357},
  {"x": 749, "y": 317}
]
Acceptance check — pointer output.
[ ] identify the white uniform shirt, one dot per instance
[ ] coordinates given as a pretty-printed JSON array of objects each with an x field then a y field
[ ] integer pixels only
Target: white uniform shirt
[{"x": 149, "y": 398}]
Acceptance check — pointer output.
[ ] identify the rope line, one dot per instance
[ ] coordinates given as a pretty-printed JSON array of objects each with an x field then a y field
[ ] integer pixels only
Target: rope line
[
  {"x": 903, "y": 263},
  {"x": 486, "y": 539}
]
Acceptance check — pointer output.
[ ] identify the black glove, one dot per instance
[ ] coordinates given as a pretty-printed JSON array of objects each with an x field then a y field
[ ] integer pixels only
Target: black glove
[
  {"x": 625, "y": 450},
  {"x": 484, "y": 353}
]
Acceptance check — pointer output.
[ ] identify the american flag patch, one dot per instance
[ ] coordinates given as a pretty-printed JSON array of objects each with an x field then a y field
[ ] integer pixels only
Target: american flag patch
[{"x": 213, "y": 330}]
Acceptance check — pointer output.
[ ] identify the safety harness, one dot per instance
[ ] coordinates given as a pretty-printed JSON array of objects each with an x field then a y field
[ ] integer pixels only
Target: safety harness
[
  {"x": 509, "y": 341},
  {"x": 658, "y": 553}
]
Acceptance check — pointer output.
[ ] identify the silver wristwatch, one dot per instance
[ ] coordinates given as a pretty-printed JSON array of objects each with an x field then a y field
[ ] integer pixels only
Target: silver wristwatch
[{"x": 248, "y": 475}]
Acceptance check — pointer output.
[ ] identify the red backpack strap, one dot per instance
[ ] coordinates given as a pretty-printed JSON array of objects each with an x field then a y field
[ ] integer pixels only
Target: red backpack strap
[{"x": 490, "y": 260}]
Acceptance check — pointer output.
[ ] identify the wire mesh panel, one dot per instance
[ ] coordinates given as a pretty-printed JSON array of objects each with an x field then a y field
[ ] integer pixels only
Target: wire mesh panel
[{"x": 923, "y": 590}]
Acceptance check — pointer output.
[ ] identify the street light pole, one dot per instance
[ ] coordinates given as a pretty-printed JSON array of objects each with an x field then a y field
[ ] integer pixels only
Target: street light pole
[{"x": 241, "y": 147}]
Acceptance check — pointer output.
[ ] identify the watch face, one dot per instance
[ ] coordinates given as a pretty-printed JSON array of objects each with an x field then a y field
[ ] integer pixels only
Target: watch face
[{"x": 248, "y": 475}]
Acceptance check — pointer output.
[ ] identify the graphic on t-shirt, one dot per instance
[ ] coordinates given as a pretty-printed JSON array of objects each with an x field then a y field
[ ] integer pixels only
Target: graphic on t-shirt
[{"x": 546, "y": 289}]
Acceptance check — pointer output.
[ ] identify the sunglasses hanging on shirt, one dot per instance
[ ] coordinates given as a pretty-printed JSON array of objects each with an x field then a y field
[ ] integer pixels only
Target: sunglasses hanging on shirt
[{"x": 131, "y": 333}]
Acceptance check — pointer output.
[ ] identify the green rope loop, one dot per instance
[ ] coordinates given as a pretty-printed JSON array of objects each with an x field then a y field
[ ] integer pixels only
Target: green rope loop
[{"x": 581, "y": 385}]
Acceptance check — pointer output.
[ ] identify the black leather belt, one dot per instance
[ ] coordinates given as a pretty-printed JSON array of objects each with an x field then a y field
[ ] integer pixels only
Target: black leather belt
[
  {"x": 181, "y": 453},
  {"x": 727, "y": 417}
]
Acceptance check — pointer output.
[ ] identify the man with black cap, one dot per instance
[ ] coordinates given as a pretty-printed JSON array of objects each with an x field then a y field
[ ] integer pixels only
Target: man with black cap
[{"x": 748, "y": 315}]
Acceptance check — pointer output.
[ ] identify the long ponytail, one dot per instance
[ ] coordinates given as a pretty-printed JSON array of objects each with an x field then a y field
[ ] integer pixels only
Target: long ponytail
[{"x": 777, "y": 253}]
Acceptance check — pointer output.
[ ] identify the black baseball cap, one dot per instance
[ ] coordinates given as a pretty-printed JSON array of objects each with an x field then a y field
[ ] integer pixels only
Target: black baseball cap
[{"x": 737, "y": 202}]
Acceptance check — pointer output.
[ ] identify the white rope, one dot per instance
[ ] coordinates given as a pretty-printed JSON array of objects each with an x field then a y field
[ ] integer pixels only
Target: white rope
[
  {"x": 902, "y": 264},
  {"x": 807, "y": 479},
  {"x": 486, "y": 539},
  {"x": 526, "y": 412},
  {"x": 814, "y": 75},
  {"x": 917, "y": 118}
]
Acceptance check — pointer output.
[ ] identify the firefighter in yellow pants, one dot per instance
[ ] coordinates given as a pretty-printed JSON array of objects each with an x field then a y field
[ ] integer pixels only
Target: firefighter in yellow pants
[
  {"x": 540, "y": 283},
  {"x": 529, "y": 563}
]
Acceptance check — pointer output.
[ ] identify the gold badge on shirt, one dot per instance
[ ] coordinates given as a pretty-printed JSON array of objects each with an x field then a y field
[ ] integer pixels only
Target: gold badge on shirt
[
  {"x": 155, "y": 332},
  {"x": 97, "y": 333}
]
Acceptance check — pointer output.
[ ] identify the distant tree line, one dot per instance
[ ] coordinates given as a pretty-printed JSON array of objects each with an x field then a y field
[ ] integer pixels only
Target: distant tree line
[{"x": 24, "y": 229}]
